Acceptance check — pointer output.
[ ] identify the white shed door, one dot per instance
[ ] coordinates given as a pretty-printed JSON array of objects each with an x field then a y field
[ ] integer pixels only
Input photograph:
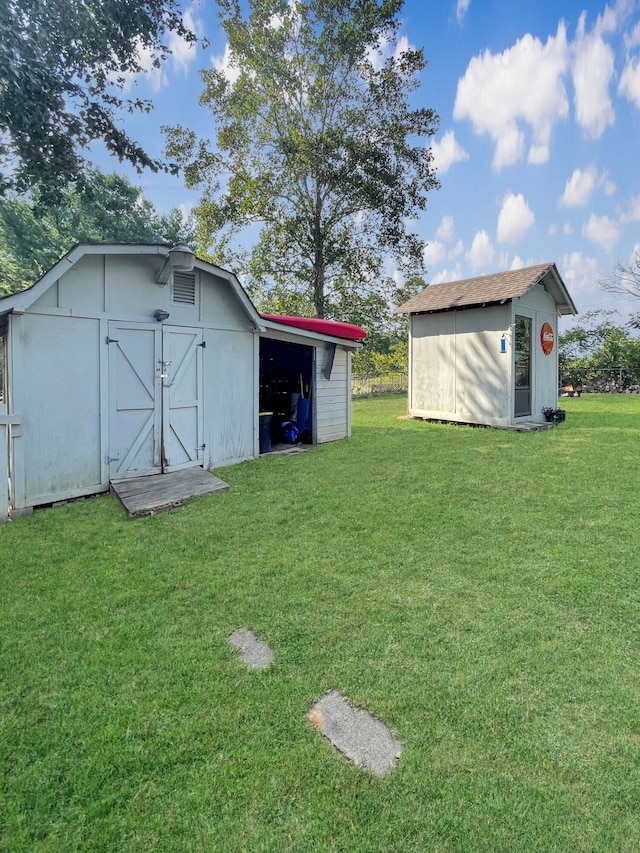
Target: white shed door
[
  {"x": 182, "y": 393},
  {"x": 155, "y": 399}
]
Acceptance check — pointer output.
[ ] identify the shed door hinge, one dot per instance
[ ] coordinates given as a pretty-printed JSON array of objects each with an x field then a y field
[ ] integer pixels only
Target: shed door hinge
[
  {"x": 203, "y": 345},
  {"x": 109, "y": 340},
  {"x": 110, "y": 459}
]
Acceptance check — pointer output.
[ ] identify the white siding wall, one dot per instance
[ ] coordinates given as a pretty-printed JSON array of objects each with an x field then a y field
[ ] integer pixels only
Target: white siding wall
[
  {"x": 230, "y": 406},
  {"x": 433, "y": 365},
  {"x": 333, "y": 397},
  {"x": 56, "y": 388},
  {"x": 457, "y": 370},
  {"x": 4, "y": 464}
]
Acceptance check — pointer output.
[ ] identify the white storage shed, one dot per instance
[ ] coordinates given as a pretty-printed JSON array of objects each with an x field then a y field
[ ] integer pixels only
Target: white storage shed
[
  {"x": 484, "y": 350},
  {"x": 128, "y": 360}
]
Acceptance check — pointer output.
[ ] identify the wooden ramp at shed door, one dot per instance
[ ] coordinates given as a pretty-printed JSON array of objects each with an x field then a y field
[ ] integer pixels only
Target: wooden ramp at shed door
[{"x": 156, "y": 493}]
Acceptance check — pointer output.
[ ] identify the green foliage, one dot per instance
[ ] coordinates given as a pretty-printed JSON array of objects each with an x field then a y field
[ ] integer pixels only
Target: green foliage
[
  {"x": 386, "y": 349},
  {"x": 63, "y": 67},
  {"x": 97, "y": 208},
  {"x": 317, "y": 148},
  {"x": 598, "y": 343}
]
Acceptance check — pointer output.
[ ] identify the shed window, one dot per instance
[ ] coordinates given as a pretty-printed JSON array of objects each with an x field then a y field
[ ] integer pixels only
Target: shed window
[{"x": 184, "y": 288}]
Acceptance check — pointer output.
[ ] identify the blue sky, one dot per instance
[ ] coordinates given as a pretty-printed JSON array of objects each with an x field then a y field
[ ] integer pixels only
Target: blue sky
[{"x": 538, "y": 146}]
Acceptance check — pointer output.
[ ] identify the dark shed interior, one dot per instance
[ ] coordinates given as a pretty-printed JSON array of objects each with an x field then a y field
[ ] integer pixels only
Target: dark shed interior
[{"x": 286, "y": 382}]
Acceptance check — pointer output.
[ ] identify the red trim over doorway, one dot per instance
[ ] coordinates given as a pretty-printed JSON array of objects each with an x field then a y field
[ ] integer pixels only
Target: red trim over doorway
[{"x": 349, "y": 331}]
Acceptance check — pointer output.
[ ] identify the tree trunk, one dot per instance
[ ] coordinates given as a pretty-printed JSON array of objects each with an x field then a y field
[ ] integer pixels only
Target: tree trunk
[{"x": 318, "y": 260}]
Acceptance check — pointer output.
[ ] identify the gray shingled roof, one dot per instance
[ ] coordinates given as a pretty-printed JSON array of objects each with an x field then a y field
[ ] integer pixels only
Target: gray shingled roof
[{"x": 496, "y": 288}]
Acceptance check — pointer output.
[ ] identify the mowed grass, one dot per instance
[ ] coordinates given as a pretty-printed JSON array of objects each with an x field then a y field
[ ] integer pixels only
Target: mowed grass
[{"x": 478, "y": 590}]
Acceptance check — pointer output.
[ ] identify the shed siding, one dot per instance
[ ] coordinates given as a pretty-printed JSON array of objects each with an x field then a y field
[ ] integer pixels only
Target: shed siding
[
  {"x": 482, "y": 371},
  {"x": 333, "y": 397},
  {"x": 220, "y": 306},
  {"x": 4, "y": 463},
  {"x": 59, "y": 398},
  {"x": 433, "y": 362},
  {"x": 457, "y": 371},
  {"x": 230, "y": 407}
]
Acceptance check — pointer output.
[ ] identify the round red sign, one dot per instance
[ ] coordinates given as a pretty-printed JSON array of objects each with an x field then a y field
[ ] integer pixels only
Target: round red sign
[{"x": 546, "y": 338}]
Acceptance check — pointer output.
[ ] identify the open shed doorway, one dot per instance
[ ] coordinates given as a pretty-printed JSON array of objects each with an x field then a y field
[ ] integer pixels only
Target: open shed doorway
[{"x": 286, "y": 392}]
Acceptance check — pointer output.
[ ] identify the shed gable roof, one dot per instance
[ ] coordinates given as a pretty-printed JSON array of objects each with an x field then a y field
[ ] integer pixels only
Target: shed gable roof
[
  {"x": 22, "y": 300},
  {"x": 490, "y": 289}
]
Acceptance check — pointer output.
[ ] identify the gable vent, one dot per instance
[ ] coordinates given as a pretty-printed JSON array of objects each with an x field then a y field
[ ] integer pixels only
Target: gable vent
[{"x": 184, "y": 288}]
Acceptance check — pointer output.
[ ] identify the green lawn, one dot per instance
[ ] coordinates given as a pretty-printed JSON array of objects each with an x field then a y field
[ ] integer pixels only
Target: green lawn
[{"x": 478, "y": 590}]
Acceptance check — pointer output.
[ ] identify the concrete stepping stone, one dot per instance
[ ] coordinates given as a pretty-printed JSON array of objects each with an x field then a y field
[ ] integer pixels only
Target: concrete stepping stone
[
  {"x": 255, "y": 652},
  {"x": 354, "y": 732}
]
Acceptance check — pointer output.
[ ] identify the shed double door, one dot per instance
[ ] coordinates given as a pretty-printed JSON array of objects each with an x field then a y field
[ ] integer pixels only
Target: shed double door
[{"x": 156, "y": 422}]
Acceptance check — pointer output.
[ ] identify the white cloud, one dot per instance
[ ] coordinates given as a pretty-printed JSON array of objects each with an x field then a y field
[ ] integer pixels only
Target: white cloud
[
  {"x": 156, "y": 77},
  {"x": 602, "y": 230},
  {"x": 521, "y": 86},
  {"x": 509, "y": 147},
  {"x": 461, "y": 10},
  {"x": 182, "y": 52},
  {"x": 457, "y": 250},
  {"x": 593, "y": 70},
  {"x": 567, "y": 229},
  {"x": 447, "y": 152},
  {"x": 579, "y": 187},
  {"x": 552, "y": 230},
  {"x": 632, "y": 39},
  {"x": 481, "y": 252},
  {"x": 515, "y": 219},
  {"x": 633, "y": 212},
  {"x": 433, "y": 253},
  {"x": 377, "y": 56},
  {"x": 446, "y": 229},
  {"x": 227, "y": 64},
  {"x": 579, "y": 272},
  {"x": 454, "y": 274},
  {"x": 538, "y": 154},
  {"x": 402, "y": 46},
  {"x": 517, "y": 263},
  {"x": 630, "y": 81}
]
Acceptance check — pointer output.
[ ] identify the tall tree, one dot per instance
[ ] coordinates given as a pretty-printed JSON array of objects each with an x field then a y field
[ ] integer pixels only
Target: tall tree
[
  {"x": 63, "y": 68},
  {"x": 318, "y": 148},
  {"x": 103, "y": 208}
]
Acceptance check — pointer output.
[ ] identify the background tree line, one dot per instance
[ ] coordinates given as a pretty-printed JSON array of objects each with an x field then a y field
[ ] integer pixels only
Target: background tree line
[
  {"x": 35, "y": 234},
  {"x": 599, "y": 351}
]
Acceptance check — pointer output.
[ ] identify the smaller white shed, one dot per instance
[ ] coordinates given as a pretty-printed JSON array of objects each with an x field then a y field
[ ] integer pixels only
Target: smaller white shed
[{"x": 484, "y": 350}]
